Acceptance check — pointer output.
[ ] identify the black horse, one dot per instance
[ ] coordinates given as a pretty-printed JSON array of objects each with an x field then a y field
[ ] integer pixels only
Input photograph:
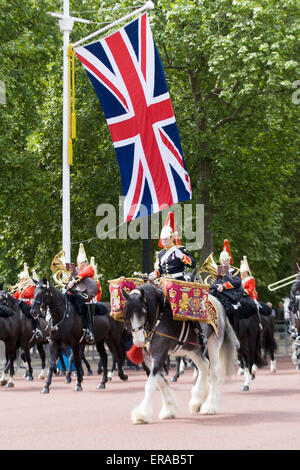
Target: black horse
[
  {"x": 151, "y": 317},
  {"x": 67, "y": 328},
  {"x": 10, "y": 331},
  {"x": 248, "y": 332},
  {"x": 27, "y": 339},
  {"x": 268, "y": 342}
]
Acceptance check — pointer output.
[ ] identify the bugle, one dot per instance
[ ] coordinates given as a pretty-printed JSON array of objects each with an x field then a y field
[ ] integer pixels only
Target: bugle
[{"x": 282, "y": 283}]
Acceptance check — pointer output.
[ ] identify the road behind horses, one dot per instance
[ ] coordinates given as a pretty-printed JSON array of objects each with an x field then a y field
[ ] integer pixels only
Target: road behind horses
[{"x": 266, "y": 417}]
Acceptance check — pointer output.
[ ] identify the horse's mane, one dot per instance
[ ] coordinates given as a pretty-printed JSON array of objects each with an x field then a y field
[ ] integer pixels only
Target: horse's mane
[
  {"x": 25, "y": 308},
  {"x": 151, "y": 296},
  {"x": 80, "y": 305},
  {"x": 5, "y": 311}
]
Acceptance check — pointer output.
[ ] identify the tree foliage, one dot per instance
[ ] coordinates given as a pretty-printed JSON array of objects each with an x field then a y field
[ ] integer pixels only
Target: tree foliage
[{"x": 230, "y": 66}]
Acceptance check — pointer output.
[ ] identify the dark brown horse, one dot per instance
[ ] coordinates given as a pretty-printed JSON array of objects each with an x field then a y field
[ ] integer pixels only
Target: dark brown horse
[
  {"x": 10, "y": 331},
  {"x": 27, "y": 338},
  {"x": 67, "y": 328}
]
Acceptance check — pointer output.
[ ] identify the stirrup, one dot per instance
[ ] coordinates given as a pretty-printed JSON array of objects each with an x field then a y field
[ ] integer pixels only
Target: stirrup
[
  {"x": 88, "y": 336},
  {"x": 202, "y": 339}
]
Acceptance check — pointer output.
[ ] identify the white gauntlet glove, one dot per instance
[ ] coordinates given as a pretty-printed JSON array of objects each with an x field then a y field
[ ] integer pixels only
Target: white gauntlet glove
[
  {"x": 179, "y": 254},
  {"x": 152, "y": 276}
]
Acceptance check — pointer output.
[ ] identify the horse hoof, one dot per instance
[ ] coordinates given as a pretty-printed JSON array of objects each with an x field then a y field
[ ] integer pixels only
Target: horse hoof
[
  {"x": 78, "y": 388},
  {"x": 68, "y": 380},
  {"x": 29, "y": 378},
  {"x": 139, "y": 421},
  {"x": 174, "y": 379},
  {"x": 10, "y": 385},
  {"x": 3, "y": 382},
  {"x": 245, "y": 388},
  {"x": 124, "y": 377},
  {"x": 101, "y": 387},
  {"x": 45, "y": 391},
  {"x": 90, "y": 372}
]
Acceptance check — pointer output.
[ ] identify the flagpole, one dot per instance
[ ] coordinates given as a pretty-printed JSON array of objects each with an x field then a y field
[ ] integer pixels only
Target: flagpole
[{"x": 66, "y": 23}]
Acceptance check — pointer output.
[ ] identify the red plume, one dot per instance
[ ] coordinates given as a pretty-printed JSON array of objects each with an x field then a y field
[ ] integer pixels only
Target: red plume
[
  {"x": 170, "y": 222},
  {"x": 227, "y": 248},
  {"x": 135, "y": 355}
]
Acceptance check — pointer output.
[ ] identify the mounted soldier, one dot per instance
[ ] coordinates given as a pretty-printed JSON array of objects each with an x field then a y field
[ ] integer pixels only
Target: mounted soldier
[
  {"x": 228, "y": 285},
  {"x": 248, "y": 281},
  {"x": 82, "y": 283},
  {"x": 173, "y": 258},
  {"x": 97, "y": 297},
  {"x": 24, "y": 292}
]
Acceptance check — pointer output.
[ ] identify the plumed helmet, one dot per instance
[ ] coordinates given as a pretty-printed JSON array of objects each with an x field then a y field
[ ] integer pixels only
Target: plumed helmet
[
  {"x": 81, "y": 258},
  {"x": 169, "y": 230},
  {"x": 244, "y": 265},
  {"x": 226, "y": 253},
  {"x": 93, "y": 264},
  {"x": 25, "y": 273}
]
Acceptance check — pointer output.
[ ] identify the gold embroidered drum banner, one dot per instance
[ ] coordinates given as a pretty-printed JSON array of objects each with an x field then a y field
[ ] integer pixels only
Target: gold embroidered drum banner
[
  {"x": 190, "y": 301},
  {"x": 117, "y": 299}
]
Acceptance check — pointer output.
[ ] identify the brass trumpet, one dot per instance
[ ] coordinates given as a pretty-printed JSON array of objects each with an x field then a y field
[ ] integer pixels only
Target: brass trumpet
[
  {"x": 279, "y": 284},
  {"x": 58, "y": 266},
  {"x": 209, "y": 266}
]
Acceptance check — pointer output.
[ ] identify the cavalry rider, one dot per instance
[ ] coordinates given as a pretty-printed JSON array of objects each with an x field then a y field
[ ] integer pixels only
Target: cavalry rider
[
  {"x": 248, "y": 280},
  {"x": 97, "y": 297},
  {"x": 249, "y": 286},
  {"x": 86, "y": 287},
  {"x": 228, "y": 288},
  {"x": 25, "y": 293},
  {"x": 173, "y": 258}
]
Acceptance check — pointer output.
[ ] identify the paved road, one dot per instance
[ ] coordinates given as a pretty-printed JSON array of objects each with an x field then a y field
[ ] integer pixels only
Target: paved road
[{"x": 266, "y": 417}]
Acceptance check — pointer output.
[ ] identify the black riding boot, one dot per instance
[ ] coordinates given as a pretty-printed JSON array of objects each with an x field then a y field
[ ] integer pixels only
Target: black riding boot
[
  {"x": 90, "y": 322},
  {"x": 37, "y": 332},
  {"x": 201, "y": 336}
]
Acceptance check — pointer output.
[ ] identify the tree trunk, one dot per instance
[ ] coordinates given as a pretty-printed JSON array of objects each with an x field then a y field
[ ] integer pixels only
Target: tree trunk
[{"x": 204, "y": 176}]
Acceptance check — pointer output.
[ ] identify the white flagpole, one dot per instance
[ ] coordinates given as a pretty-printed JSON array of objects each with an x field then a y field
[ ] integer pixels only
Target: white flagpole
[{"x": 66, "y": 23}]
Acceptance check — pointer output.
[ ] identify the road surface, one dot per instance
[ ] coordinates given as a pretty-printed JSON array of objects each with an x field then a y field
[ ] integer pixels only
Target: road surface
[{"x": 266, "y": 417}]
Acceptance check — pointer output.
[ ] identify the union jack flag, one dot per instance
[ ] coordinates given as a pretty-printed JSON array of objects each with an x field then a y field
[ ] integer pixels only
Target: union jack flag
[{"x": 126, "y": 72}]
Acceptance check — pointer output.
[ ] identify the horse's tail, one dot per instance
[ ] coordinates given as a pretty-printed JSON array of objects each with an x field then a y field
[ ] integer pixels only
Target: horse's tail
[
  {"x": 258, "y": 359},
  {"x": 268, "y": 340},
  {"x": 228, "y": 352}
]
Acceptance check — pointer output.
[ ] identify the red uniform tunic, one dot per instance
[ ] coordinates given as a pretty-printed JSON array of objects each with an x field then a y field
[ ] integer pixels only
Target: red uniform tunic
[
  {"x": 249, "y": 287},
  {"x": 86, "y": 272},
  {"x": 97, "y": 297},
  {"x": 26, "y": 294}
]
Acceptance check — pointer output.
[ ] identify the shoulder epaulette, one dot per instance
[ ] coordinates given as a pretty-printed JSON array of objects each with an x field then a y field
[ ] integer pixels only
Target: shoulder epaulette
[{"x": 236, "y": 272}]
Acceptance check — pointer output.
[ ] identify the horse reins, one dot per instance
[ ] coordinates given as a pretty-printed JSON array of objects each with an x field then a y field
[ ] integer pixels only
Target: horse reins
[{"x": 179, "y": 340}]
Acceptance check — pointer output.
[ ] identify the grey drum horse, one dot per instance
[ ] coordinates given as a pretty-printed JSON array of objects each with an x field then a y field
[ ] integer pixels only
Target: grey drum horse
[{"x": 151, "y": 319}]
